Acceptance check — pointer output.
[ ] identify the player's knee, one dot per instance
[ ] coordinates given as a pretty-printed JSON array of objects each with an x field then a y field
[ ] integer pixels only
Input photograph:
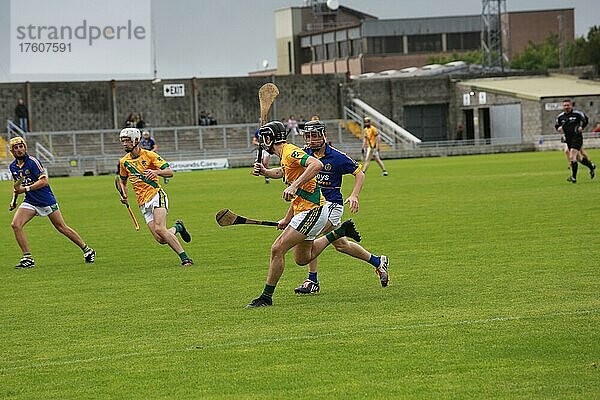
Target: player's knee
[
  {"x": 16, "y": 226},
  {"x": 277, "y": 250},
  {"x": 302, "y": 259}
]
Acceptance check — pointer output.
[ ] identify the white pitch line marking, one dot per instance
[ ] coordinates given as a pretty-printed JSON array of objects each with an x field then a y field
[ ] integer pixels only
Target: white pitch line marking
[{"x": 301, "y": 337}]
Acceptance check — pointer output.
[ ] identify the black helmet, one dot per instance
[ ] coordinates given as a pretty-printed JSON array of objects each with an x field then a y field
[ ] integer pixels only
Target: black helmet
[
  {"x": 271, "y": 133},
  {"x": 311, "y": 127}
]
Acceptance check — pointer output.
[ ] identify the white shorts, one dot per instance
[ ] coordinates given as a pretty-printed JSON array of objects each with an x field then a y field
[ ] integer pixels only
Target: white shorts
[
  {"x": 371, "y": 151},
  {"x": 310, "y": 223},
  {"x": 160, "y": 200},
  {"x": 41, "y": 211},
  {"x": 334, "y": 213}
]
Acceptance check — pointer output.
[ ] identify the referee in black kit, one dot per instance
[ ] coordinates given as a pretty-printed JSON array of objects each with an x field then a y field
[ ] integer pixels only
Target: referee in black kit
[{"x": 571, "y": 123}]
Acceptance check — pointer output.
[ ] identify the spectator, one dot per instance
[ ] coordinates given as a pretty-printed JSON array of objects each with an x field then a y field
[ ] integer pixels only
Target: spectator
[
  {"x": 597, "y": 127},
  {"x": 148, "y": 143},
  {"x": 206, "y": 119},
  {"x": 22, "y": 115},
  {"x": 129, "y": 123},
  {"x": 292, "y": 125},
  {"x": 301, "y": 122},
  {"x": 460, "y": 131},
  {"x": 139, "y": 122},
  {"x": 134, "y": 121}
]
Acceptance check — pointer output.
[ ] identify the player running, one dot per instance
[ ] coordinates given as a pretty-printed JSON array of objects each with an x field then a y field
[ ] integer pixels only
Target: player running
[
  {"x": 306, "y": 216},
  {"x": 39, "y": 200},
  {"x": 571, "y": 123},
  {"x": 143, "y": 168},
  {"x": 336, "y": 164}
]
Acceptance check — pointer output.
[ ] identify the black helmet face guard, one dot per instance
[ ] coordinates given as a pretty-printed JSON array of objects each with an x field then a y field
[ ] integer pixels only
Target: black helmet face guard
[
  {"x": 265, "y": 140},
  {"x": 315, "y": 135},
  {"x": 270, "y": 134},
  {"x": 314, "y": 139}
]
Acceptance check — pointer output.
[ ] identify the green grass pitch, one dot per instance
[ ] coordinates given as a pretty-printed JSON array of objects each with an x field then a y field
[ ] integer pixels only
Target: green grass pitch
[{"x": 494, "y": 292}]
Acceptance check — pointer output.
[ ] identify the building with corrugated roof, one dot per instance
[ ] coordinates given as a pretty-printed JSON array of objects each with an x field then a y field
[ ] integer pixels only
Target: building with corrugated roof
[{"x": 317, "y": 40}]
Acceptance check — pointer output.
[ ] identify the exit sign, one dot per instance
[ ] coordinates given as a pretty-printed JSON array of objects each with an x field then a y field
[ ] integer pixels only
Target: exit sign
[{"x": 174, "y": 90}]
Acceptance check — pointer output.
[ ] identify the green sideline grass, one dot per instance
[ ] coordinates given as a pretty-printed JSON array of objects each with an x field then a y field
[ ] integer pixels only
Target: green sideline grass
[{"x": 494, "y": 292}]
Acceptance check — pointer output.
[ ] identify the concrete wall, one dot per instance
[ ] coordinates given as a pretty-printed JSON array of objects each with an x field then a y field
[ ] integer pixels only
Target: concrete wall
[
  {"x": 58, "y": 106},
  {"x": 588, "y": 104},
  {"x": 390, "y": 96}
]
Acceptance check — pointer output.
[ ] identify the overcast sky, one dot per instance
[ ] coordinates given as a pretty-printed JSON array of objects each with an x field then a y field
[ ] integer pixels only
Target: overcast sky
[{"x": 219, "y": 38}]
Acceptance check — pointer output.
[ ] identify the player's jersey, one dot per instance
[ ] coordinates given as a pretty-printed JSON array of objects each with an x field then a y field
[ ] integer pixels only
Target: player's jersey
[
  {"x": 33, "y": 170},
  {"x": 371, "y": 135},
  {"x": 335, "y": 164},
  {"x": 134, "y": 167},
  {"x": 308, "y": 196},
  {"x": 571, "y": 121}
]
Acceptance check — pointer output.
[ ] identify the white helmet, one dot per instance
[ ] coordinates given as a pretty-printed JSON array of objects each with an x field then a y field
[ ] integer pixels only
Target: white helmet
[{"x": 131, "y": 133}]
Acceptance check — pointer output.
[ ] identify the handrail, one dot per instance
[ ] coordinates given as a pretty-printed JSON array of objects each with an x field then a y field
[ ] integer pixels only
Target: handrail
[
  {"x": 43, "y": 153},
  {"x": 12, "y": 128},
  {"x": 396, "y": 129}
]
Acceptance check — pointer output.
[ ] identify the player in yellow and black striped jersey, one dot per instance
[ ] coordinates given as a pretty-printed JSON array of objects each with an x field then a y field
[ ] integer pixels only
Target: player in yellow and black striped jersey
[
  {"x": 371, "y": 146},
  {"x": 305, "y": 217},
  {"x": 143, "y": 168}
]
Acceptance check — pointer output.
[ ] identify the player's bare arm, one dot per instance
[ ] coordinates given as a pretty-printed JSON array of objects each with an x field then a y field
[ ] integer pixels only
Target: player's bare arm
[
  {"x": 153, "y": 173},
  {"x": 123, "y": 184},
  {"x": 275, "y": 173},
  {"x": 284, "y": 222},
  {"x": 40, "y": 183},
  {"x": 352, "y": 200}
]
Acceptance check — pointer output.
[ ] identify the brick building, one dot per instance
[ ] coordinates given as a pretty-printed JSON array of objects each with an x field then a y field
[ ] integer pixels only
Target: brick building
[{"x": 317, "y": 40}]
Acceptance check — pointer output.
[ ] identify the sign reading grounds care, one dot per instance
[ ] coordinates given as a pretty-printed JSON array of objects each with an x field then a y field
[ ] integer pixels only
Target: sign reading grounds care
[
  {"x": 174, "y": 90},
  {"x": 80, "y": 37},
  {"x": 190, "y": 165}
]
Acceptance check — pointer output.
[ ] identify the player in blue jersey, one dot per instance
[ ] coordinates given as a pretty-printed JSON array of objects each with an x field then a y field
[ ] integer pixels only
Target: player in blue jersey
[
  {"x": 39, "y": 200},
  {"x": 336, "y": 164}
]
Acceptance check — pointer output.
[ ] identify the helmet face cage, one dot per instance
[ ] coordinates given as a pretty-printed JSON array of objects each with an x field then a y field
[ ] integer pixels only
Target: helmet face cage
[
  {"x": 275, "y": 132},
  {"x": 131, "y": 133},
  {"x": 314, "y": 130},
  {"x": 15, "y": 141}
]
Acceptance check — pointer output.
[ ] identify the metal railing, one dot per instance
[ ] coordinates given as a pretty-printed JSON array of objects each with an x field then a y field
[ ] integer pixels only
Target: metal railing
[
  {"x": 99, "y": 150},
  {"x": 391, "y": 133}
]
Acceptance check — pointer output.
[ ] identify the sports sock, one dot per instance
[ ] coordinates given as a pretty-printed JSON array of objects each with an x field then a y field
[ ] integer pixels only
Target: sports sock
[
  {"x": 268, "y": 292},
  {"x": 312, "y": 276},
  {"x": 183, "y": 256},
  {"x": 178, "y": 227},
  {"x": 27, "y": 255},
  {"x": 85, "y": 248},
  {"x": 375, "y": 260},
  {"x": 586, "y": 161},
  {"x": 574, "y": 169},
  {"x": 336, "y": 234}
]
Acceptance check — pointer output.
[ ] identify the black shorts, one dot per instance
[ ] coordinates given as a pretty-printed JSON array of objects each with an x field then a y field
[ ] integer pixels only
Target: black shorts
[{"x": 575, "y": 141}]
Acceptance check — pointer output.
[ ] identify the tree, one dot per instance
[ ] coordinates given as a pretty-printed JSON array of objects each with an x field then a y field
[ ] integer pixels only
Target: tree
[
  {"x": 470, "y": 57},
  {"x": 586, "y": 52},
  {"x": 539, "y": 56}
]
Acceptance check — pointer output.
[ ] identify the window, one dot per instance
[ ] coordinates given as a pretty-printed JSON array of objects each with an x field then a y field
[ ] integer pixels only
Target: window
[
  {"x": 375, "y": 45},
  {"x": 320, "y": 52},
  {"x": 306, "y": 55},
  {"x": 331, "y": 51},
  {"x": 463, "y": 41},
  {"x": 424, "y": 43},
  {"x": 356, "y": 47},
  {"x": 344, "y": 49}
]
